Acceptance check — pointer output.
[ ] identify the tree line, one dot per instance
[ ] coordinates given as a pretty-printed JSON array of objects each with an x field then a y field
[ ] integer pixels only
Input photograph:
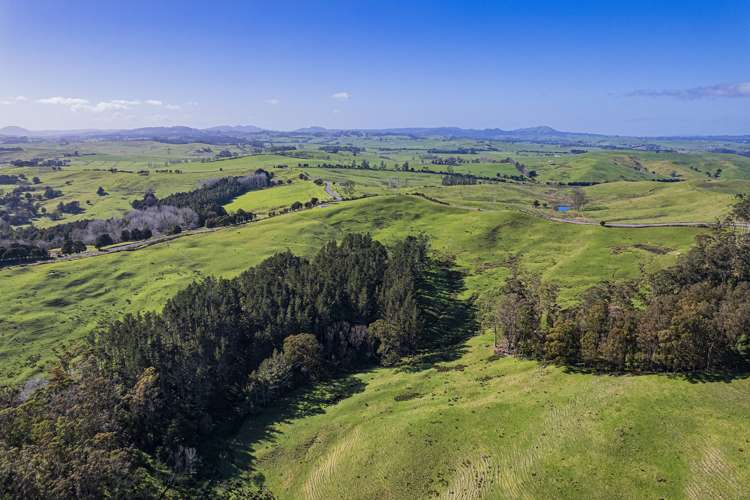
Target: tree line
[
  {"x": 693, "y": 316},
  {"x": 459, "y": 180},
  {"x": 151, "y": 215},
  {"x": 207, "y": 201},
  {"x": 139, "y": 406},
  {"x": 17, "y": 253}
]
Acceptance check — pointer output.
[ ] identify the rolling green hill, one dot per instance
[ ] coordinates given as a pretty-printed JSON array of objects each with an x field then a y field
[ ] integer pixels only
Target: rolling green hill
[
  {"x": 460, "y": 422},
  {"x": 480, "y": 426},
  {"x": 44, "y": 306}
]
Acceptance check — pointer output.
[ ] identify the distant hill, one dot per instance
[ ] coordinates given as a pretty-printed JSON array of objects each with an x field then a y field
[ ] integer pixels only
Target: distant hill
[
  {"x": 250, "y": 134},
  {"x": 316, "y": 130},
  {"x": 14, "y": 131},
  {"x": 236, "y": 129},
  {"x": 174, "y": 135}
]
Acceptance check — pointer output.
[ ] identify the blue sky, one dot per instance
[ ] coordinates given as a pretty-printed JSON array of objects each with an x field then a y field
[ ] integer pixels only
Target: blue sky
[{"x": 628, "y": 68}]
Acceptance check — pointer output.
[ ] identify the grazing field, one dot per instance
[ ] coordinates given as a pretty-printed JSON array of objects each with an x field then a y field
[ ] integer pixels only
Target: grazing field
[
  {"x": 472, "y": 425},
  {"x": 266, "y": 200},
  {"x": 337, "y": 251},
  {"x": 42, "y": 307},
  {"x": 459, "y": 422},
  {"x": 699, "y": 200},
  {"x": 80, "y": 182}
]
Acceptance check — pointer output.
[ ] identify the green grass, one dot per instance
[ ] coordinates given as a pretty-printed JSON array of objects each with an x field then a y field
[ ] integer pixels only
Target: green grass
[
  {"x": 627, "y": 194},
  {"x": 274, "y": 198},
  {"x": 698, "y": 200},
  {"x": 80, "y": 181},
  {"x": 482, "y": 427},
  {"x": 459, "y": 424},
  {"x": 45, "y": 306}
]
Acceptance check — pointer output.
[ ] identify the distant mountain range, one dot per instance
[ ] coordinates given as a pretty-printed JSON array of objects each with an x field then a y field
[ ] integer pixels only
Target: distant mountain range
[{"x": 232, "y": 134}]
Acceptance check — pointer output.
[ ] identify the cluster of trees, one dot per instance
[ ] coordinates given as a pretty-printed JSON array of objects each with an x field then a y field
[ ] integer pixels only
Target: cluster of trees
[
  {"x": 298, "y": 205},
  {"x": 16, "y": 253},
  {"x": 456, "y": 151},
  {"x": 452, "y": 160},
  {"x": 24, "y": 203},
  {"x": 48, "y": 237},
  {"x": 151, "y": 390},
  {"x": 40, "y": 162},
  {"x": 140, "y": 224},
  {"x": 459, "y": 179},
  {"x": 72, "y": 207},
  {"x": 135, "y": 225},
  {"x": 694, "y": 316},
  {"x": 70, "y": 247},
  {"x": 12, "y": 179},
  {"x": 522, "y": 169},
  {"x": 354, "y": 150},
  {"x": 239, "y": 217},
  {"x": 169, "y": 215},
  {"x": 207, "y": 201}
]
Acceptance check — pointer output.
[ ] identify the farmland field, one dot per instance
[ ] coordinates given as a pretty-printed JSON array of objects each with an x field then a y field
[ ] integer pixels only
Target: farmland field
[{"x": 455, "y": 422}]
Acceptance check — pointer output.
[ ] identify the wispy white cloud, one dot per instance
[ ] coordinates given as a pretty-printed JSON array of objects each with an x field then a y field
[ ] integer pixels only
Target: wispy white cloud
[
  {"x": 272, "y": 102},
  {"x": 114, "y": 105},
  {"x": 342, "y": 96},
  {"x": 13, "y": 100},
  {"x": 735, "y": 90},
  {"x": 74, "y": 103}
]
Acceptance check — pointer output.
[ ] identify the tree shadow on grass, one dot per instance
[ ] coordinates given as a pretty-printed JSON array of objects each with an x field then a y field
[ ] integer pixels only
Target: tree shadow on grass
[
  {"x": 230, "y": 457},
  {"x": 449, "y": 320},
  {"x": 692, "y": 377}
]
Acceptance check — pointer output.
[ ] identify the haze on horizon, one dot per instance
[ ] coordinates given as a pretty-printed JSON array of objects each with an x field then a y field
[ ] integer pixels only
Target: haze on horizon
[{"x": 635, "y": 68}]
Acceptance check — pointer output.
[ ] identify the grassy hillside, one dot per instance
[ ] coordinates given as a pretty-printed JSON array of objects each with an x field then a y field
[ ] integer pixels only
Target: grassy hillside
[
  {"x": 487, "y": 427},
  {"x": 459, "y": 423},
  {"x": 278, "y": 197},
  {"x": 698, "y": 200},
  {"x": 43, "y": 306},
  {"x": 627, "y": 195},
  {"x": 80, "y": 181}
]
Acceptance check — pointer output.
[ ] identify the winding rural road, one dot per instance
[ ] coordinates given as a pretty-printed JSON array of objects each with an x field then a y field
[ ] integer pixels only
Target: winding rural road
[{"x": 333, "y": 194}]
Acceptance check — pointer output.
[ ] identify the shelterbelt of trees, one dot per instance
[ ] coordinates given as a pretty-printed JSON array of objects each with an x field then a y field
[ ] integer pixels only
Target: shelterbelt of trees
[
  {"x": 140, "y": 405},
  {"x": 208, "y": 200},
  {"x": 151, "y": 215},
  {"x": 694, "y": 316}
]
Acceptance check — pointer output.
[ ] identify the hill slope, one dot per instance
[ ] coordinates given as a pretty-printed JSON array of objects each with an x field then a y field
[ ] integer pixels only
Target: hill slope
[
  {"x": 45, "y": 306},
  {"x": 483, "y": 427}
]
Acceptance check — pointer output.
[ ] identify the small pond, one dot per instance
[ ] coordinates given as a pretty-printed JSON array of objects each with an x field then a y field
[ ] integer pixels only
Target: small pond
[{"x": 562, "y": 208}]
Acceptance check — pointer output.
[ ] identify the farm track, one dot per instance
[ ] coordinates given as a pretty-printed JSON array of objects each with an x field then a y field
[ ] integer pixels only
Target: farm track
[{"x": 333, "y": 194}]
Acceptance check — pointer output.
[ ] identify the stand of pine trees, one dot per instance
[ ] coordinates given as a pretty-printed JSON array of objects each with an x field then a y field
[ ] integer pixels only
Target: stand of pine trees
[
  {"x": 159, "y": 386},
  {"x": 208, "y": 200},
  {"x": 694, "y": 316}
]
